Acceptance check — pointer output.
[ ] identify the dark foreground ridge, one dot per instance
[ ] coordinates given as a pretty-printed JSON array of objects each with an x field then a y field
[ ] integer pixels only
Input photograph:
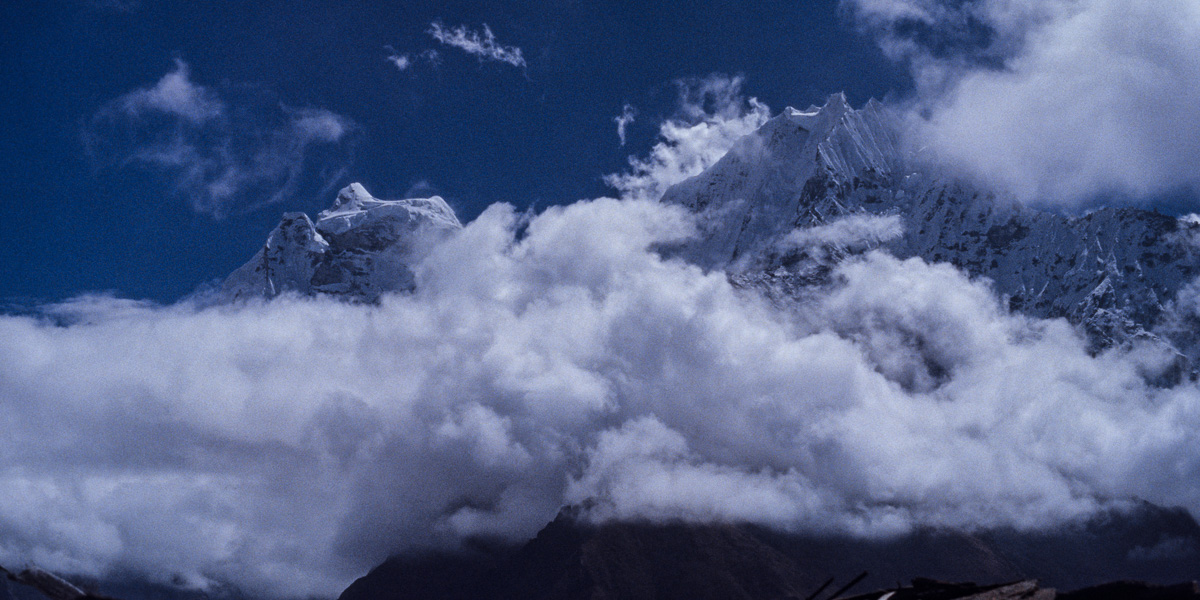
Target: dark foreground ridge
[
  {"x": 1142, "y": 553},
  {"x": 568, "y": 560}
]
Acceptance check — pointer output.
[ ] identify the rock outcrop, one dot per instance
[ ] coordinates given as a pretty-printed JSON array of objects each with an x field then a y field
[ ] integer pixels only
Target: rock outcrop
[{"x": 359, "y": 248}]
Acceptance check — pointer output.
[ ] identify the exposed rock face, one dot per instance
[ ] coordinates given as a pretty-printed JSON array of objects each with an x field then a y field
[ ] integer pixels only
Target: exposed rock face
[
  {"x": 358, "y": 249},
  {"x": 1113, "y": 271}
]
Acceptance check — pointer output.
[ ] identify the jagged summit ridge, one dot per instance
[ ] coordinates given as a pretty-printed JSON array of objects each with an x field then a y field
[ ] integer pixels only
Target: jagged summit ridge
[
  {"x": 850, "y": 142},
  {"x": 753, "y": 194},
  {"x": 1114, "y": 272},
  {"x": 359, "y": 248},
  {"x": 354, "y": 206}
]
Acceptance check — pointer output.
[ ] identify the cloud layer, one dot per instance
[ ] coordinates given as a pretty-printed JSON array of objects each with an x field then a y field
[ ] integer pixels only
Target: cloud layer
[
  {"x": 220, "y": 156},
  {"x": 289, "y": 446},
  {"x": 1063, "y": 102}
]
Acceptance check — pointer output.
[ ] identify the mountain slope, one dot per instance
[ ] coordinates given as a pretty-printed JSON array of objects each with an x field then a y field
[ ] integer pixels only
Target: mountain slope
[
  {"x": 359, "y": 248},
  {"x": 1113, "y": 272},
  {"x": 571, "y": 560},
  {"x": 786, "y": 203}
]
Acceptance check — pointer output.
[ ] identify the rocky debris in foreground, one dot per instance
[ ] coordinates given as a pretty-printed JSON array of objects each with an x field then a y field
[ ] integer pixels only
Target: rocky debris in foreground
[{"x": 927, "y": 589}]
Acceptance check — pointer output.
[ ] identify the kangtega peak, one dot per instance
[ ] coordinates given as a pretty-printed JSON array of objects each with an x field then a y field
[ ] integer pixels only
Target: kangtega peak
[{"x": 784, "y": 205}]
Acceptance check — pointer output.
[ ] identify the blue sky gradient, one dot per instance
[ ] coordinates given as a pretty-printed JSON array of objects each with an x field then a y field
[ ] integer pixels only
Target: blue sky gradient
[{"x": 475, "y": 132}]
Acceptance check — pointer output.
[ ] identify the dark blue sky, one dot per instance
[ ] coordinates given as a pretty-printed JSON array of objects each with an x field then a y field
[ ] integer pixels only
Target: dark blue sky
[{"x": 474, "y": 132}]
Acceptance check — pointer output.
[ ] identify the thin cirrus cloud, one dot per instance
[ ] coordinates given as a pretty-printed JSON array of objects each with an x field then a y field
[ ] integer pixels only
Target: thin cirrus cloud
[
  {"x": 221, "y": 154},
  {"x": 174, "y": 95},
  {"x": 623, "y": 120},
  {"x": 1063, "y": 103},
  {"x": 482, "y": 45}
]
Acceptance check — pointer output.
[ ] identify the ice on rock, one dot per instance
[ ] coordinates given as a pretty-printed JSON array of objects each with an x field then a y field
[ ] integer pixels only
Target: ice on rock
[
  {"x": 355, "y": 207},
  {"x": 753, "y": 194},
  {"x": 359, "y": 248},
  {"x": 1113, "y": 272}
]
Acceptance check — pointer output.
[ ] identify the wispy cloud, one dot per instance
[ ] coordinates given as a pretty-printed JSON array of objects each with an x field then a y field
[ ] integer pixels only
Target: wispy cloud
[
  {"x": 405, "y": 61},
  {"x": 712, "y": 115},
  {"x": 222, "y": 156},
  {"x": 627, "y": 116},
  {"x": 402, "y": 61},
  {"x": 174, "y": 95},
  {"x": 482, "y": 45}
]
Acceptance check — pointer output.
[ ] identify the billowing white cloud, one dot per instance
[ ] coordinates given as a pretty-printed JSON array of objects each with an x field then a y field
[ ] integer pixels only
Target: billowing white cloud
[
  {"x": 482, "y": 45},
  {"x": 221, "y": 156},
  {"x": 289, "y": 446},
  {"x": 1062, "y": 102},
  {"x": 623, "y": 120},
  {"x": 713, "y": 114}
]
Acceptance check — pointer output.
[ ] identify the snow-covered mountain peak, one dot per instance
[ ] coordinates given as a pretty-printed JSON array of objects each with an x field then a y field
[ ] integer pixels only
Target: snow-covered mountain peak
[
  {"x": 823, "y": 119},
  {"x": 355, "y": 206},
  {"x": 786, "y": 203},
  {"x": 753, "y": 195},
  {"x": 1114, "y": 272},
  {"x": 359, "y": 248},
  {"x": 351, "y": 197},
  {"x": 836, "y": 106}
]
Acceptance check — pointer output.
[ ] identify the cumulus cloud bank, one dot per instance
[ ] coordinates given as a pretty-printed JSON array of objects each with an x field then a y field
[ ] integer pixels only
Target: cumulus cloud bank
[
  {"x": 221, "y": 156},
  {"x": 1062, "y": 102},
  {"x": 289, "y": 446}
]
